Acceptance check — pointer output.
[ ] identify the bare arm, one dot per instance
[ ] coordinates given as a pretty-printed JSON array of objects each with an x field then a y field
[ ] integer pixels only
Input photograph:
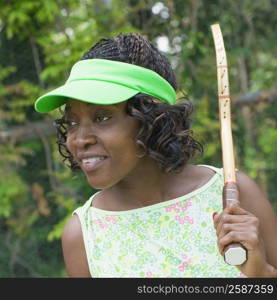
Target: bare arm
[
  {"x": 254, "y": 225},
  {"x": 253, "y": 200},
  {"x": 74, "y": 249}
]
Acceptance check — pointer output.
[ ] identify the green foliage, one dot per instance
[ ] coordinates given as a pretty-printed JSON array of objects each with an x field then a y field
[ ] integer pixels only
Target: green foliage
[
  {"x": 10, "y": 190},
  {"x": 41, "y": 40}
]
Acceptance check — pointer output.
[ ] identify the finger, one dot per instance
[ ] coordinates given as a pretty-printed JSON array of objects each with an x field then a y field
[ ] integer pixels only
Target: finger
[
  {"x": 226, "y": 228},
  {"x": 231, "y": 219},
  {"x": 217, "y": 218},
  {"x": 223, "y": 218},
  {"x": 235, "y": 209},
  {"x": 237, "y": 227},
  {"x": 232, "y": 209},
  {"x": 249, "y": 240}
]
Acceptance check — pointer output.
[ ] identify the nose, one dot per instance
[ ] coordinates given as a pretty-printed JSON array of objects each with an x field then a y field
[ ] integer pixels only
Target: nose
[{"x": 84, "y": 137}]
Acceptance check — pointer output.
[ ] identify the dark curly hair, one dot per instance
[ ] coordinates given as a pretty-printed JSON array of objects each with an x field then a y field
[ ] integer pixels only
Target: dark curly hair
[{"x": 165, "y": 131}]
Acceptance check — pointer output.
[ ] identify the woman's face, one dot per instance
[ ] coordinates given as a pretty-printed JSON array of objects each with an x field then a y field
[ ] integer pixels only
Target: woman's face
[{"x": 101, "y": 139}]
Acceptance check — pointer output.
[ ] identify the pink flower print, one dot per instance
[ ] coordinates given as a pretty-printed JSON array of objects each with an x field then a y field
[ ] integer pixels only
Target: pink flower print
[
  {"x": 149, "y": 274},
  {"x": 169, "y": 208},
  {"x": 184, "y": 256},
  {"x": 186, "y": 206},
  {"x": 111, "y": 219},
  {"x": 179, "y": 219},
  {"x": 184, "y": 219},
  {"x": 100, "y": 223},
  {"x": 183, "y": 266},
  {"x": 96, "y": 222},
  {"x": 103, "y": 225},
  {"x": 185, "y": 263},
  {"x": 105, "y": 222},
  {"x": 241, "y": 275},
  {"x": 173, "y": 207},
  {"x": 176, "y": 208},
  {"x": 188, "y": 219}
]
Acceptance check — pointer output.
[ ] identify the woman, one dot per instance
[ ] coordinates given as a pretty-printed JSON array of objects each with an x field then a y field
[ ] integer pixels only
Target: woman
[{"x": 155, "y": 215}]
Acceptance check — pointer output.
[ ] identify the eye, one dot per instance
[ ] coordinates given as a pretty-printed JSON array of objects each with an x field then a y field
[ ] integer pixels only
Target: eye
[
  {"x": 70, "y": 123},
  {"x": 102, "y": 118}
]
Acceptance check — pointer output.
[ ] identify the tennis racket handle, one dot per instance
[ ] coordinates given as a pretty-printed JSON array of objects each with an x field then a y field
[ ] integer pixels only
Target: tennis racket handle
[{"x": 234, "y": 254}]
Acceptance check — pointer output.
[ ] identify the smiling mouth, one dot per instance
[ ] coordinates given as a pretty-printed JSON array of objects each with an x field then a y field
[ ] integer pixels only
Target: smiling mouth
[
  {"x": 92, "y": 159},
  {"x": 91, "y": 163}
]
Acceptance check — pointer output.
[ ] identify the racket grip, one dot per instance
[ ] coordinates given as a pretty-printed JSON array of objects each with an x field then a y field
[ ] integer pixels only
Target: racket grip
[{"x": 234, "y": 254}]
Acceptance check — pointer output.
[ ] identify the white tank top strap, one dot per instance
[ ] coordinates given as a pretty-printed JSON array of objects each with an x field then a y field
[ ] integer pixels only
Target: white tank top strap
[{"x": 85, "y": 207}]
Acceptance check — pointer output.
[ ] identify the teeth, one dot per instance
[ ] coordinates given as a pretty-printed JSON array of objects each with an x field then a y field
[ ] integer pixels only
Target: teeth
[{"x": 92, "y": 159}]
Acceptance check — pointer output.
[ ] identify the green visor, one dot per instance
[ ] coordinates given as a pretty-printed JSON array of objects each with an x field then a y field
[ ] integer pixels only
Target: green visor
[{"x": 102, "y": 81}]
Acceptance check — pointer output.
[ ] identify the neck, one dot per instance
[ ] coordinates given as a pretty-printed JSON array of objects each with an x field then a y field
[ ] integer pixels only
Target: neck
[{"x": 145, "y": 186}]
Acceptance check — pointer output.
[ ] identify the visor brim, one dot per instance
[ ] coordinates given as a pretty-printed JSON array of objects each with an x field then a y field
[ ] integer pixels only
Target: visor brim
[{"x": 91, "y": 91}]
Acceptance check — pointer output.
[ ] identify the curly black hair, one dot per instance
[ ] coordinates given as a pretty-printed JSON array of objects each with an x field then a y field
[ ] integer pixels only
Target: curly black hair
[{"x": 165, "y": 132}]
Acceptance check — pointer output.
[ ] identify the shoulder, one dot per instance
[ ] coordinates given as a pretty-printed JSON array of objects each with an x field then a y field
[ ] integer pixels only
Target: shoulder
[
  {"x": 251, "y": 195},
  {"x": 74, "y": 249},
  {"x": 188, "y": 180},
  {"x": 72, "y": 230},
  {"x": 254, "y": 199}
]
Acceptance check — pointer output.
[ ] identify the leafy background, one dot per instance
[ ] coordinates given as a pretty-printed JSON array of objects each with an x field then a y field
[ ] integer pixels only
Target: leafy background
[{"x": 41, "y": 40}]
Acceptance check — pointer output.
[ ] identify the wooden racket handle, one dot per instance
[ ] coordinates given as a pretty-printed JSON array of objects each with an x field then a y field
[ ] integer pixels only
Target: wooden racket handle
[
  {"x": 224, "y": 105},
  {"x": 235, "y": 254}
]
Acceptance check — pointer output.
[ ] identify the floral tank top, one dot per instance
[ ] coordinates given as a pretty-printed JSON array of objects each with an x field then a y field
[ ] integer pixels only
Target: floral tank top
[{"x": 174, "y": 238}]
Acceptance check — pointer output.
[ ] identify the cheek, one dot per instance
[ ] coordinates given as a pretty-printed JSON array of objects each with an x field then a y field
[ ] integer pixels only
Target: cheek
[
  {"x": 122, "y": 162},
  {"x": 125, "y": 149},
  {"x": 68, "y": 144},
  {"x": 128, "y": 154},
  {"x": 70, "y": 147},
  {"x": 127, "y": 140}
]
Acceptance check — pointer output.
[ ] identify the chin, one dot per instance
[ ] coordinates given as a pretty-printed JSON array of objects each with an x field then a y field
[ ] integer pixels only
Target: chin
[{"x": 99, "y": 184}]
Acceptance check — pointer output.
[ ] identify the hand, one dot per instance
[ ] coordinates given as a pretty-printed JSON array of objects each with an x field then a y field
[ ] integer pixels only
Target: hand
[{"x": 236, "y": 225}]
